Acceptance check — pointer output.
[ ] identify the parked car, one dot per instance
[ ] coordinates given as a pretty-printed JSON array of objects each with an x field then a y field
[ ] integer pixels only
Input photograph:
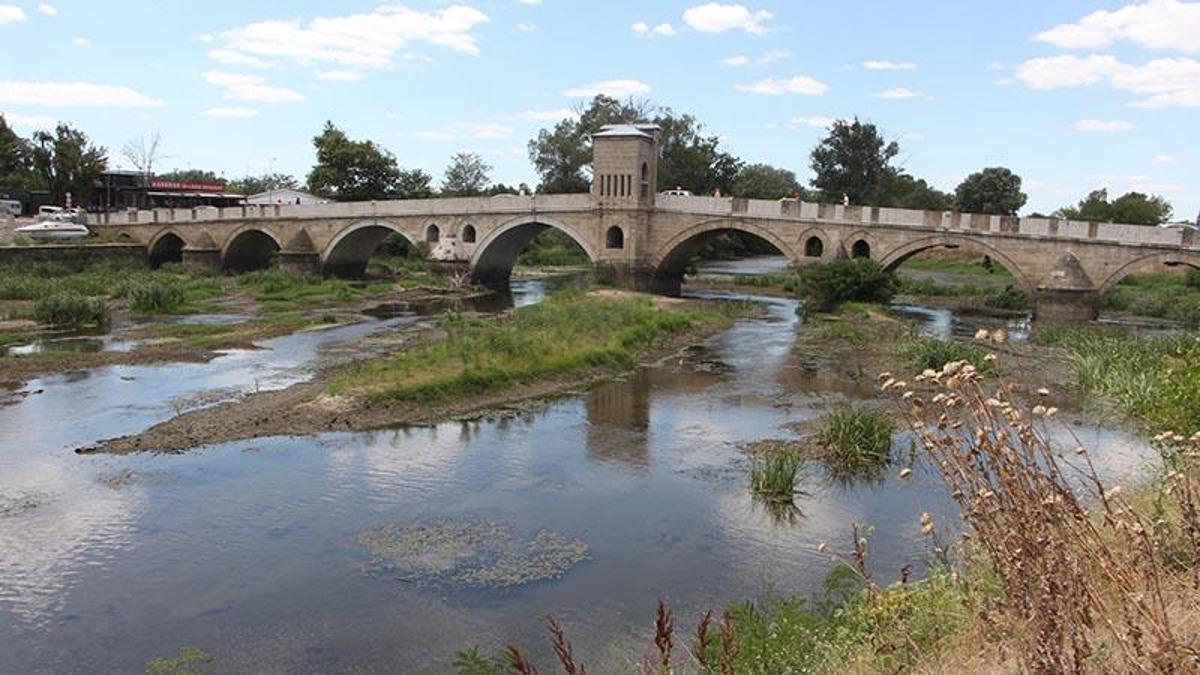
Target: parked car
[{"x": 11, "y": 207}]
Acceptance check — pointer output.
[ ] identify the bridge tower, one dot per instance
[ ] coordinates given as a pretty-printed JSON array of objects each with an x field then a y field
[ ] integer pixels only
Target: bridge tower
[{"x": 624, "y": 184}]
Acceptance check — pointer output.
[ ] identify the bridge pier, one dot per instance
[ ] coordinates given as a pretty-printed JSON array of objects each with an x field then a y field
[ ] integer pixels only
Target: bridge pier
[
  {"x": 300, "y": 262},
  {"x": 630, "y": 275},
  {"x": 202, "y": 259},
  {"x": 1066, "y": 306}
]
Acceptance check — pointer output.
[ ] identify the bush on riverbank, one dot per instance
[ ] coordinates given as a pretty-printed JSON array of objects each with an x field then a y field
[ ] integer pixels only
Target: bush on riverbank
[
  {"x": 70, "y": 310},
  {"x": 570, "y": 332},
  {"x": 157, "y": 297},
  {"x": 1160, "y": 296},
  {"x": 825, "y": 287}
]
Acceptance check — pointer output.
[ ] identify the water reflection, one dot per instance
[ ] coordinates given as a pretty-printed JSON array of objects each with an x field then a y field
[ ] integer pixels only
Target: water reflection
[{"x": 248, "y": 551}]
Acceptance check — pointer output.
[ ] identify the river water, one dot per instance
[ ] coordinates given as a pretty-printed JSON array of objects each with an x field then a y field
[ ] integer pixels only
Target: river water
[{"x": 251, "y": 550}]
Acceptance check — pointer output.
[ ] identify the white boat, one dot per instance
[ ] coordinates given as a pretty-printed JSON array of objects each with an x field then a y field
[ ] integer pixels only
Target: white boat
[{"x": 54, "y": 229}]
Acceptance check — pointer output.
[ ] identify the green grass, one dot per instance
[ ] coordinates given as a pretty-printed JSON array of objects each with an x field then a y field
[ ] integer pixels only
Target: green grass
[
  {"x": 1154, "y": 380},
  {"x": 70, "y": 309},
  {"x": 980, "y": 269},
  {"x": 1161, "y": 296},
  {"x": 775, "y": 476},
  {"x": 930, "y": 353},
  {"x": 994, "y": 297},
  {"x": 570, "y": 332},
  {"x": 279, "y": 291},
  {"x": 895, "y": 633},
  {"x": 114, "y": 280},
  {"x": 855, "y": 442}
]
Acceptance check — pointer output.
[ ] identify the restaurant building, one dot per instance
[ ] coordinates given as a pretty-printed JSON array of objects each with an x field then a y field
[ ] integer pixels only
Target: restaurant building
[{"x": 121, "y": 190}]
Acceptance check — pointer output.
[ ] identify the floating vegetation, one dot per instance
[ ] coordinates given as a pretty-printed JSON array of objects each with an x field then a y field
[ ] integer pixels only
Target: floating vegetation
[
  {"x": 15, "y": 505},
  {"x": 469, "y": 553}
]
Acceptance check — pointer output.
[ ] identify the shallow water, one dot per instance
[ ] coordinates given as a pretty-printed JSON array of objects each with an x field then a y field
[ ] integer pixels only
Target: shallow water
[{"x": 253, "y": 550}]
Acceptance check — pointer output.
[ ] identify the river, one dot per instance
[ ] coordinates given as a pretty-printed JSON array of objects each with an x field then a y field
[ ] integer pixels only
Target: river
[{"x": 253, "y": 551}]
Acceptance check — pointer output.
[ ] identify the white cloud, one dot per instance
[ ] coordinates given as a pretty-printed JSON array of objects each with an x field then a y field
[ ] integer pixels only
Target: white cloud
[
  {"x": 717, "y": 18},
  {"x": 1162, "y": 82},
  {"x": 368, "y": 40},
  {"x": 814, "y": 122},
  {"x": 1155, "y": 24},
  {"x": 46, "y": 9},
  {"x": 11, "y": 14},
  {"x": 251, "y": 88},
  {"x": 912, "y": 136},
  {"x": 339, "y": 75},
  {"x": 772, "y": 56},
  {"x": 800, "y": 84},
  {"x": 34, "y": 122},
  {"x": 229, "y": 57},
  {"x": 530, "y": 2},
  {"x": 73, "y": 94},
  {"x": 81, "y": 42},
  {"x": 643, "y": 29},
  {"x": 889, "y": 65},
  {"x": 435, "y": 135},
  {"x": 231, "y": 113},
  {"x": 898, "y": 93},
  {"x": 1101, "y": 126},
  {"x": 1163, "y": 159},
  {"x": 617, "y": 88},
  {"x": 548, "y": 115},
  {"x": 739, "y": 60},
  {"x": 526, "y": 27},
  {"x": 486, "y": 131}
]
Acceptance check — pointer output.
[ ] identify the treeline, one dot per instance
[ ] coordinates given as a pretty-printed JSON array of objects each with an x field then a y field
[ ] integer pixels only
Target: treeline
[{"x": 854, "y": 162}]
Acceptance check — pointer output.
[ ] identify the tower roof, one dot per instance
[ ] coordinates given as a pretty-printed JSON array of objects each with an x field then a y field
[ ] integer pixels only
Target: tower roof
[{"x": 647, "y": 131}]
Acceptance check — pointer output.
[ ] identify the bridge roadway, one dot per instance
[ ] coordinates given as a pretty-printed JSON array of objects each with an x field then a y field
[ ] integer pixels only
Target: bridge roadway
[{"x": 1064, "y": 266}]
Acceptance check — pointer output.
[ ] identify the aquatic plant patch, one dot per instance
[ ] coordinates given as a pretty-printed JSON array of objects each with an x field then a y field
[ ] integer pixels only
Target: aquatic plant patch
[{"x": 469, "y": 553}]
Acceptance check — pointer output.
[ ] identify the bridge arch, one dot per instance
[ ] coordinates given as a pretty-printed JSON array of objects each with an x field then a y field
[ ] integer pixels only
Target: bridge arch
[
  {"x": 250, "y": 248},
  {"x": 671, "y": 260},
  {"x": 494, "y": 256},
  {"x": 897, "y": 256},
  {"x": 1148, "y": 263},
  {"x": 166, "y": 246},
  {"x": 347, "y": 254}
]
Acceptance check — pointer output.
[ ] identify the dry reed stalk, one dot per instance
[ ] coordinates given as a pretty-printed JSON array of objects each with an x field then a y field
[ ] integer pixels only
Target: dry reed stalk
[
  {"x": 562, "y": 648},
  {"x": 1084, "y": 588}
]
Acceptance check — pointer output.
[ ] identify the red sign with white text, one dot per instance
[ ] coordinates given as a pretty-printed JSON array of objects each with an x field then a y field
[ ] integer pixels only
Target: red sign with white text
[{"x": 183, "y": 185}]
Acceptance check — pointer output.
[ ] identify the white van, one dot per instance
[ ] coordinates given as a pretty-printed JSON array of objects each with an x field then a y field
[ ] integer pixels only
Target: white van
[{"x": 10, "y": 207}]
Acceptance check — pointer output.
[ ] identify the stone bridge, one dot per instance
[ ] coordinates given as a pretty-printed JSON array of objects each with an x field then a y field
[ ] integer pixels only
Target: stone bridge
[{"x": 635, "y": 235}]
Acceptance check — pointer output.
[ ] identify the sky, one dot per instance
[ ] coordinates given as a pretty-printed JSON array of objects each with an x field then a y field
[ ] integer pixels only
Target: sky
[{"x": 1072, "y": 95}]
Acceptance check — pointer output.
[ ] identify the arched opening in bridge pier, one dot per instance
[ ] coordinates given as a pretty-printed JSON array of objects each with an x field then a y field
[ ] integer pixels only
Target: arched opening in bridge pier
[
  {"x": 860, "y": 249},
  {"x": 468, "y": 234},
  {"x": 250, "y": 250},
  {"x": 167, "y": 249},
  {"x": 371, "y": 248},
  {"x": 614, "y": 238},
  {"x": 532, "y": 244},
  {"x": 723, "y": 252},
  {"x": 962, "y": 271},
  {"x": 433, "y": 234},
  {"x": 1160, "y": 286},
  {"x": 813, "y": 247}
]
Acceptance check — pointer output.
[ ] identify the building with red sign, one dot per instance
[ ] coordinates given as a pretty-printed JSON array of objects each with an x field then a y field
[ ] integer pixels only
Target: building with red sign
[{"x": 121, "y": 190}]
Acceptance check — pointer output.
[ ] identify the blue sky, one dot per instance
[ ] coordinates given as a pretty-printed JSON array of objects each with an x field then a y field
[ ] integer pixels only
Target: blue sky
[{"x": 1071, "y": 95}]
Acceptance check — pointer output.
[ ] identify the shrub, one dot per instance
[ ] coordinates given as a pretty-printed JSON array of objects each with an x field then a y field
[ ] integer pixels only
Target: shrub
[
  {"x": 157, "y": 297},
  {"x": 1008, "y": 297},
  {"x": 855, "y": 442},
  {"x": 1193, "y": 278},
  {"x": 68, "y": 309},
  {"x": 827, "y": 286}
]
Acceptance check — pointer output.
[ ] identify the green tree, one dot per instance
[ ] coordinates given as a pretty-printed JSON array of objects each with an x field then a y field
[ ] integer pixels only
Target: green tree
[
  {"x": 414, "y": 184},
  {"x": 853, "y": 160},
  {"x": 995, "y": 190},
  {"x": 908, "y": 192},
  {"x": 763, "y": 181},
  {"x": 351, "y": 170},
  {"x": 1094, "y": 206},
  {"x": 562, "y": 155},
  {"x": 687, "y": 158},
  {"x": 467, "y": 176},
  {"x": 190, "y": 176},
  {"x": 67, "y": 162},
  {"x": 1134, "y": 208},
  {"x": 691, "y": 160},
  {"x": 252, "y": 185},
  {"x": 16, "y": 160}
]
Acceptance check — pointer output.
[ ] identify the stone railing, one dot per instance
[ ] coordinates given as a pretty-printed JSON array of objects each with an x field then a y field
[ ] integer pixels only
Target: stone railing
[
  {"x": 1049, "y": 228},
  {"x": 406, "y": 207}
]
